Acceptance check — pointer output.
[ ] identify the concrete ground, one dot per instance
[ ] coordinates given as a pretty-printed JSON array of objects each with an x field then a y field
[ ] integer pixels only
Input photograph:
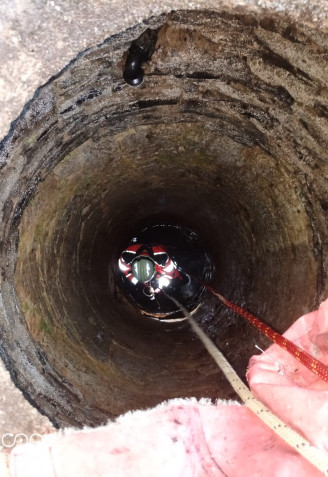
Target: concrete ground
[{"x": 37, "y": 39}]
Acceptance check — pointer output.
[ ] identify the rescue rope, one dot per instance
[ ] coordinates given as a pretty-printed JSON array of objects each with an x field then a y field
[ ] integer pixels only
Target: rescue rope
[
  {"x": 302, "y": 356},
  {"x": 317, "y": 458}
]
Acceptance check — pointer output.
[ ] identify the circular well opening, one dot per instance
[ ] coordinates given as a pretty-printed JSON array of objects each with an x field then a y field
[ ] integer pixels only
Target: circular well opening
[{"x": 225, "y": 137}]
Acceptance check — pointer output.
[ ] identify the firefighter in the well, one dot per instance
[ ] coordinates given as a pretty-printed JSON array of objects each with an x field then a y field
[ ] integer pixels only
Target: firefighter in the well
[{"x": 150, "y": 266}]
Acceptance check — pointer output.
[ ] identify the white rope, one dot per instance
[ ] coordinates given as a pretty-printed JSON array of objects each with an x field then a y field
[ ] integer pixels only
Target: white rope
[{"x": 302, "y": 446}]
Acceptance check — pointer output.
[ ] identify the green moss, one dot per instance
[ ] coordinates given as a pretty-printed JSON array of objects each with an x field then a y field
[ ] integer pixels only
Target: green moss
[
  {"x": 26, "y": 307},
  {"x": 45, "y": 327},
  {"x": 68, "y": 156},
  {"x": 31, "y": 140},
  {"x": 39, "y": 231}
]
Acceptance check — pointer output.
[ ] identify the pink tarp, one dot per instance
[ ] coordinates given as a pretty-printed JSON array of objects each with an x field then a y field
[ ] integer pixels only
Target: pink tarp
[
  {"x": 294, "y": 393},
  {"x": 187, "y": 438}
]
